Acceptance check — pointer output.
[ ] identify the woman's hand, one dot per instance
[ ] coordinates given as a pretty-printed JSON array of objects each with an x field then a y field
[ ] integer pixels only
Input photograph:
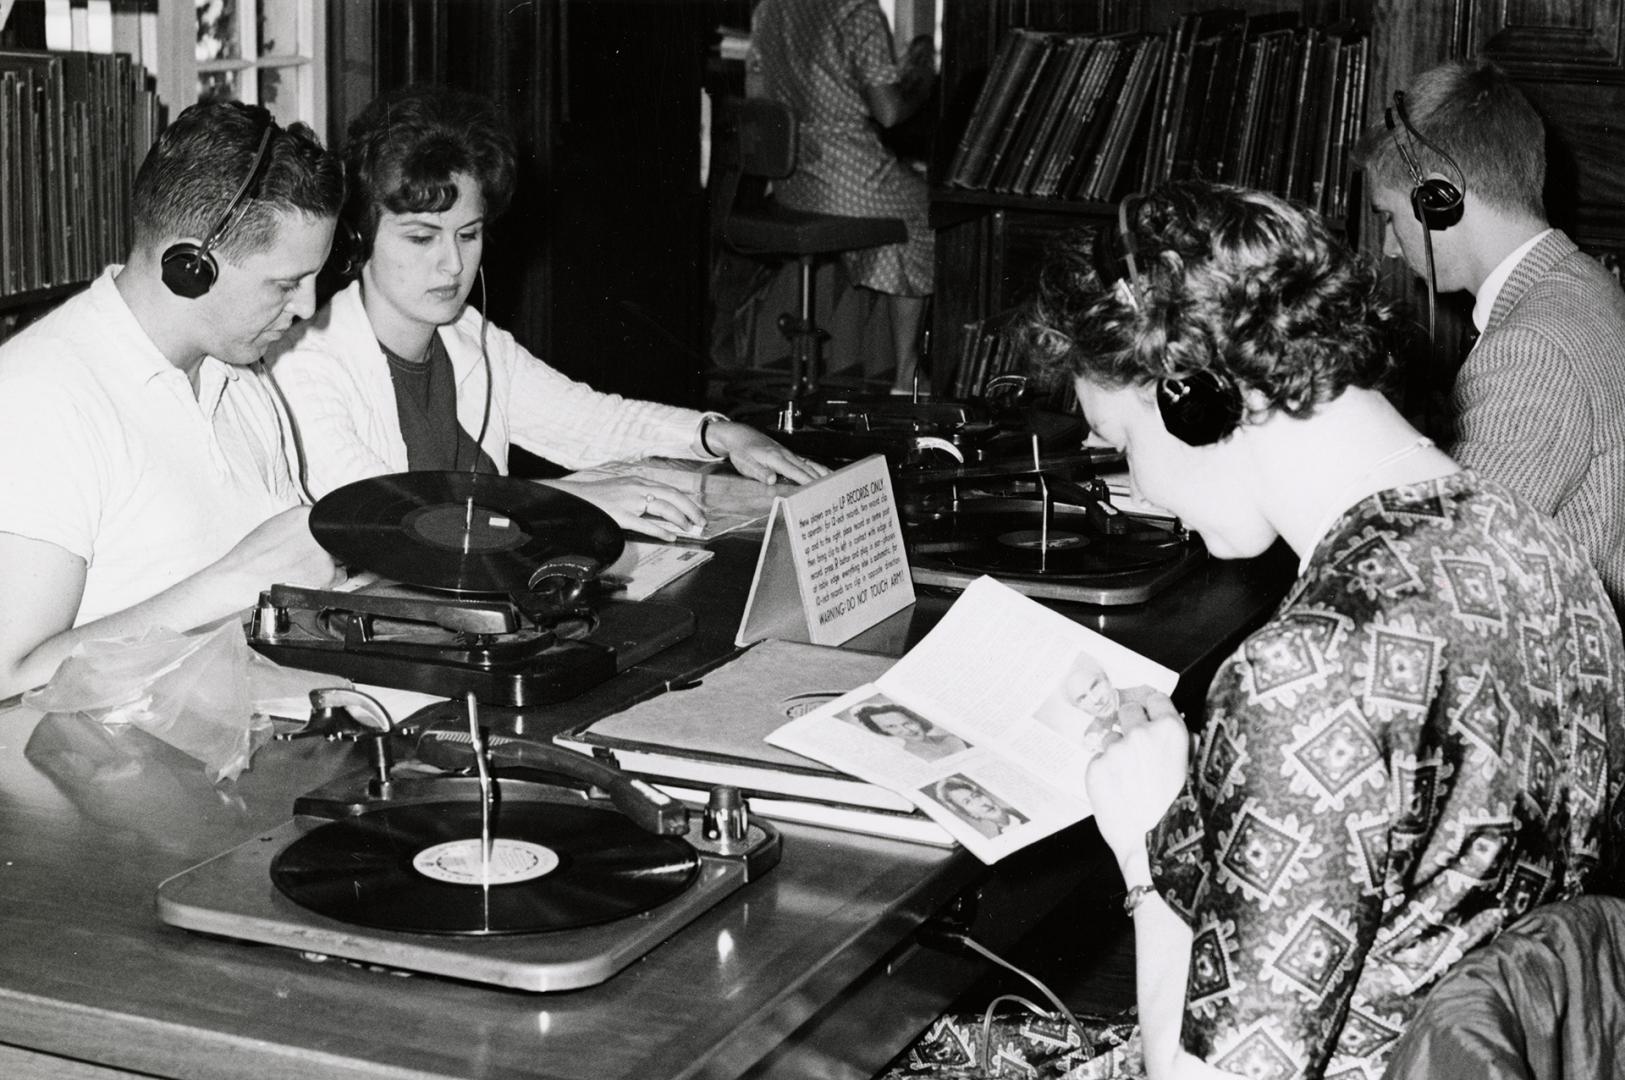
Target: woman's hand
[
  {"x": 640, "y": 506},
  {"x": 755, "y": 455},
  {"x": 1139, "y": 771}
]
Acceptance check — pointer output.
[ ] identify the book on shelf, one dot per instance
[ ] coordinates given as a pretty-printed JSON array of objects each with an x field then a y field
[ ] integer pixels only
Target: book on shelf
[
  {"x": 712, "y": 730},
  {"x": 1021, "y": 110},
  {"x": 1057, "y": 85},
  {"x": 76, "y": 126},
  {"x": 1086, "y": 125},
  {"x": 1073, "y": 116},
  {"x": 1197, "y": 105},
  {"x": 1010, "y": 73},
  {"x": 988, "y": 723},
  {"x": 1117, "y": 122},
  {"x": 988, "y": 351},
  {"x": 1300, "y": 156}
]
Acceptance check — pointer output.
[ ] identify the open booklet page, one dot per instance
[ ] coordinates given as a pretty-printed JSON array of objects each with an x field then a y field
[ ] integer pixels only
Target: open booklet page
[{"x": 988, "y": 723}]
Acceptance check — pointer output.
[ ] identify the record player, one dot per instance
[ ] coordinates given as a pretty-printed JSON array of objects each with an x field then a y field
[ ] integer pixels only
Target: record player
[
  {"x": 922, "y": 435},
  {"x": 998, "y": 488},
  {"x": 497, "y": 861},
  {"x": 489, "y": 584}
]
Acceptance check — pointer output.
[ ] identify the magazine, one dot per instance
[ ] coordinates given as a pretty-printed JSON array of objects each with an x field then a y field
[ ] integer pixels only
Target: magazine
[
  {"x": 988, "y": 723},
  {"x": 711, "y": 729}
]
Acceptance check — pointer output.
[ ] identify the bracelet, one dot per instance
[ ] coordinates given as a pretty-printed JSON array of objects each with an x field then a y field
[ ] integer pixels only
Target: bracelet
[
  {"x": 705, "y": 423},
  {"x": 1136, "y": 896}
]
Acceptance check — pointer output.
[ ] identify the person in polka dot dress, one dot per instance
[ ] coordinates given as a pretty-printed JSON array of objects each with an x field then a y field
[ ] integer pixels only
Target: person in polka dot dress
[{"x": 833, "y": 63}]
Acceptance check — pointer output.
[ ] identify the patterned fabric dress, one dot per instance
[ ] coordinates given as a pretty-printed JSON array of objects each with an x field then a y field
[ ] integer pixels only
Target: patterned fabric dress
[
  {"x": 816, "y": 56},
  {"x": 1426, "y": 741}
]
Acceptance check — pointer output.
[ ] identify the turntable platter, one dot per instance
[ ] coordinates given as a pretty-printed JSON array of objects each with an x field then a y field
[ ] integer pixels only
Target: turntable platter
[
  {"x": 458, "y": 531},
  {"x": 418, "y": 869},
  {"x": 1066, "y": 559}
]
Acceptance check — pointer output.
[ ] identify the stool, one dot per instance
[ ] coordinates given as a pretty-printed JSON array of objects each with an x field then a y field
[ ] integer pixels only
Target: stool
[{"x": 754, "y": 142}]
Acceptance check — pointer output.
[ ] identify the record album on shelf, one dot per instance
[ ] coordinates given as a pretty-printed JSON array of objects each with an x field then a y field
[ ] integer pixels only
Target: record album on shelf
[{"x": 482, "y": 583}]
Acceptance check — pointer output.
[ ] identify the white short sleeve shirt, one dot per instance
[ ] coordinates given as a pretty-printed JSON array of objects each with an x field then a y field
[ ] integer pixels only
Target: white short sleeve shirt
[{"x": 106, "y": 452}]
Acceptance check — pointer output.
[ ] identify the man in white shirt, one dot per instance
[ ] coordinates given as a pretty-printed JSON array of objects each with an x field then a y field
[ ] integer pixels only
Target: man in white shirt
[
  {"x": 144, "y": 480},
  {"x": 1460, "y": 163}
]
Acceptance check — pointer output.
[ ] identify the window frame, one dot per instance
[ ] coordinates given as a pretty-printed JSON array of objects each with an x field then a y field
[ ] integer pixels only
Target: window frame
[{"x": 306, "y": 71}]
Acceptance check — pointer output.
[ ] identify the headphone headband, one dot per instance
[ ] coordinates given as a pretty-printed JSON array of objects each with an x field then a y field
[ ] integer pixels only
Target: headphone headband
[
  {"x": 238, "y": 203},
  {"x": 1436, "y": 201}
]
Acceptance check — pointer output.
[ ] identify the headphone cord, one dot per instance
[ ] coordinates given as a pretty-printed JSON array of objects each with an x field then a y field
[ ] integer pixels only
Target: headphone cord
[
  {"x": 288, "y": 432},
  {"x": 485, "y": 360},
  {"x": 1432, "y": 309}
]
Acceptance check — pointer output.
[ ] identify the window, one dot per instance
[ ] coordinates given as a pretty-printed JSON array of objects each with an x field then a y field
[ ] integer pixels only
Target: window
[{"x": 264, "y": 52}]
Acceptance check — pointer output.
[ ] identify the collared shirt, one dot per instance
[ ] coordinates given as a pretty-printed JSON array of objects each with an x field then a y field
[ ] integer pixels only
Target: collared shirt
[
  {"x": 106, "y": 452},
  {"x": 1487, "y": 292}
]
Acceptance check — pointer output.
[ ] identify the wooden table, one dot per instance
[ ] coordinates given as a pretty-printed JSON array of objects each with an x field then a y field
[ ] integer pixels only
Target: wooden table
[{"x": 815, "y": 970}]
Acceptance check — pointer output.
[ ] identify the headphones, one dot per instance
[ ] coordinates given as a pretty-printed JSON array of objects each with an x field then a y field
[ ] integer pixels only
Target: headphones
[
  {"x": 1198, "y": 409},
  {"x": 1436, "y": 202},
  {"x": 349, "y": 252},
  {"x": 189, "y": 269}
]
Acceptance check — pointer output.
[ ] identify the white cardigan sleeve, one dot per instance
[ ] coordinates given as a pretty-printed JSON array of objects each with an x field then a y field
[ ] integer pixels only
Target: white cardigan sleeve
[{"x": 573, "y": 425}]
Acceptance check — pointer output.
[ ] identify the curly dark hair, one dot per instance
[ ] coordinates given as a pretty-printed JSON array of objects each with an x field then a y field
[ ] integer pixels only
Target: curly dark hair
[
  {"x": 1236, "y": 282},
  {"x": 402, "y": 154}
]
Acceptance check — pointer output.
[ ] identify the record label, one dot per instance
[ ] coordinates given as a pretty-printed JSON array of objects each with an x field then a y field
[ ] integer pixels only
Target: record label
[{"x": 459, "y": 862}]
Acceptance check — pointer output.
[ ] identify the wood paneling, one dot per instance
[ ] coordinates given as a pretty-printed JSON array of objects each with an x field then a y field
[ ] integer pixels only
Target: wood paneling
[{"x": 1553, "y": 39}]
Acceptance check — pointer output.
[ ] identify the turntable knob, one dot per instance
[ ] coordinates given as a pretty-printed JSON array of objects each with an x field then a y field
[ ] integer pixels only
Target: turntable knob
[{"x": 726, "y": 820}]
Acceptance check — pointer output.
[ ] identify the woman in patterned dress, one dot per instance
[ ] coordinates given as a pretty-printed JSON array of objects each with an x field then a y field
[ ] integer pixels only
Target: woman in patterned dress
[
  {"x": 832, "y": 63},
  {"x": 1426, "y": 739}
]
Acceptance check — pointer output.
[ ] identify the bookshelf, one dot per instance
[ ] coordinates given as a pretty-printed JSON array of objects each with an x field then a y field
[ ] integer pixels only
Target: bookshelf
[
  {"x": 73, "y": 128},
  {"x": 1052, "y": 110}
]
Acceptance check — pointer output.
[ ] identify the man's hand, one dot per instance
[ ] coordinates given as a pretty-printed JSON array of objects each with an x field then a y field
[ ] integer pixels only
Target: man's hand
[
  {"x": 1139, "y": 771},
  {"x": 280, "y": 551},
  {"x": 640, "y": 506},
  {"x": 757, "y": 456}
]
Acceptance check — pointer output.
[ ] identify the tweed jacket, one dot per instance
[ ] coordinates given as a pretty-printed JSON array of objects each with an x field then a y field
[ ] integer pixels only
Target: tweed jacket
[
  {"x": 1539, "y": 404},
  {"x": 336, "y": 380}
]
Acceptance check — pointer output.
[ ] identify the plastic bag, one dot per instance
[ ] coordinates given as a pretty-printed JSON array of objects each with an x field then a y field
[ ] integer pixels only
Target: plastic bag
[{"x": 197, "y": 692}]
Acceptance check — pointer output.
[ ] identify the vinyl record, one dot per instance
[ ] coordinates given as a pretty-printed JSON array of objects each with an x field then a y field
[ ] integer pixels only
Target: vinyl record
[
  {"x": 465, "y": 532},
  {"x": 1012, "y": 466},
  {"x": 417, "y": 869},
  {"x": 1005, "y": 537}
]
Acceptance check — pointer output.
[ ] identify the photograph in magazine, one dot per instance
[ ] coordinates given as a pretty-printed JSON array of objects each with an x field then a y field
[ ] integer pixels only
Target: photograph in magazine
[
  {"x": 911, "y": 731},
  {"x": 978, "y": 807},
  {"x": 1083, "y": 704}
]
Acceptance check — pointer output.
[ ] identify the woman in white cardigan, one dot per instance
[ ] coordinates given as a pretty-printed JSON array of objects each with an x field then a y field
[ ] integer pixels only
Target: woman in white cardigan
[{"x": 398, "y": 372}]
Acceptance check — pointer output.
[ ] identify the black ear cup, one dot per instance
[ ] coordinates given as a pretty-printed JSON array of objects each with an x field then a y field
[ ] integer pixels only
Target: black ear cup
[
  {"x": 1200, "y": 409},
  {"x": 348, "y": 254},
  {"x": 1436, "y": 202},
  {"x": 188, "y": 270}
]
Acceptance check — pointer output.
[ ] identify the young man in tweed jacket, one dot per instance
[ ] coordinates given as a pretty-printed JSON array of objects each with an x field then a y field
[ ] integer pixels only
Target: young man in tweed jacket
[{"x": 1538, "y": 402}]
